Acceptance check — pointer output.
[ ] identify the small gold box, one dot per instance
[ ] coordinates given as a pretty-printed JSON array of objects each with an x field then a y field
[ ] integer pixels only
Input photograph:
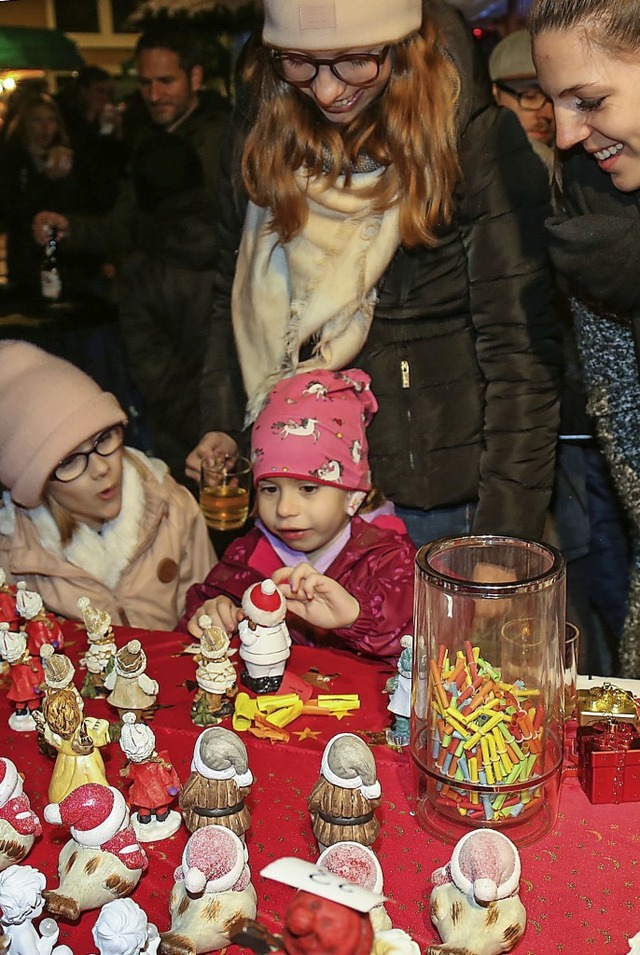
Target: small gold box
[{"x": 606, "y": 702}]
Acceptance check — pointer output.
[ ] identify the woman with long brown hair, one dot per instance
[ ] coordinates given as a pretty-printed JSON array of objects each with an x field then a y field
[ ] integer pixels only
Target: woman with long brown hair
[{"x": 381, "y": 212}]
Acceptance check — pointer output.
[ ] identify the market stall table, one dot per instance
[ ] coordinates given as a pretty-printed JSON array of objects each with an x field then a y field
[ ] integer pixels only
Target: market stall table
[{"x": 579, "y": 883}]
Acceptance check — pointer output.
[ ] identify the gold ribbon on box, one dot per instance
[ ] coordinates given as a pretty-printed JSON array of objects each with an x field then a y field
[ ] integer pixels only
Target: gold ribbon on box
[{"x": 607, "y": 700}]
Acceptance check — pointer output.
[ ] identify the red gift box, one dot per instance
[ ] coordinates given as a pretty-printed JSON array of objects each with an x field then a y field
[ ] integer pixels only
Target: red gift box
[{"x": 609, "y": 761}]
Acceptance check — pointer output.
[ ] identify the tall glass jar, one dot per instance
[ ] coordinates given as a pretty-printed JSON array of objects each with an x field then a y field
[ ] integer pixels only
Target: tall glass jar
[{"x": 488, "y": 693}]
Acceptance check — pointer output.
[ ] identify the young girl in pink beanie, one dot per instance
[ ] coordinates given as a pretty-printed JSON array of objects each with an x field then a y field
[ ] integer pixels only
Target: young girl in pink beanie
[
  {"x": 341, "y": 558},
  {"x": 82, "y": 515}
]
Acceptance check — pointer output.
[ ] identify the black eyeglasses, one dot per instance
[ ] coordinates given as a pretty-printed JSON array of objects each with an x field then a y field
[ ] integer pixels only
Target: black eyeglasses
[
  {"x": 106, "y": 443},
  {"x": 355, "y": 69},
  {"x": 531, "y": 98}
]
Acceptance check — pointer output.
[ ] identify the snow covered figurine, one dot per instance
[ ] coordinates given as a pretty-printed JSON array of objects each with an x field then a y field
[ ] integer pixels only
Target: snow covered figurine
[
  {"x": 103, "y": 860},
  {"x": 22, "y": 901},
  {"x": 122, "y": 928},
  {"x": 214, "y": 794},
  {"x": 399, "y": 686},
  {"x": 40, "y": 627},
  {"x": 265, "y": 644},
  {"x": 475, "y": 904},
  {"x": 154, "y": 783},
  {"x": 130, "y": 689},
  {"x": 343, "y": 800},
  {"x": 213, "y": 890},
  {"x": 215, "y": 676},
  {"x": 98, "y": 657},
  {"x": 26, "y": 679},
  {"x": 19, "y": 825}
]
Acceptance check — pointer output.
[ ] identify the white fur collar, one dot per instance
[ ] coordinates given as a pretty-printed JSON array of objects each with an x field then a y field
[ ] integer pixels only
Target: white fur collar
[{"x": 103, "y": 554}]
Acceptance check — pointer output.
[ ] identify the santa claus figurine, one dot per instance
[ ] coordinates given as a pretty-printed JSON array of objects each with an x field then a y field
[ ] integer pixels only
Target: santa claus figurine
[
  {"x": 99, "y": 655},
  {"x": 153, "y": 782},
  {"x": 130, "y": 689},
  {"x": 19, "y": 825},
  {"x": 103, "y": 860},
  {"x": 26, "y": 679},
  {"x": 40, "y": 627},
  {"x": 215, "y": 792},
  {"x": 264, "y": 637},
  {"x": 212, "y": 892}
]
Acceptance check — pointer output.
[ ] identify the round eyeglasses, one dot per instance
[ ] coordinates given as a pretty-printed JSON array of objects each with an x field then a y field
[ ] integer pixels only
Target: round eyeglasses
[
  {"x": 530, "y": 98},
  {"x": 354, "y": 69},
  {"x": 73, "y": 466}
]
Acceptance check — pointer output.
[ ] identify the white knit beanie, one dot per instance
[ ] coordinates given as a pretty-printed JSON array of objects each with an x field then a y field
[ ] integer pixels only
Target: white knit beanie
[{"x": 338, "y": 24}]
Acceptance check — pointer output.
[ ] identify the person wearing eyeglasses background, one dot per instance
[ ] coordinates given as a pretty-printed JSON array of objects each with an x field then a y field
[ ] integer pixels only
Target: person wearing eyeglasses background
[{"x": 83, "y": 515}]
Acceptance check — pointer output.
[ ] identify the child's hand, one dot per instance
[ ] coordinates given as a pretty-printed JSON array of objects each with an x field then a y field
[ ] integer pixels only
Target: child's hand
[
  {"x": 223, "y": 613},
  {"x": 316, "y": 598}
]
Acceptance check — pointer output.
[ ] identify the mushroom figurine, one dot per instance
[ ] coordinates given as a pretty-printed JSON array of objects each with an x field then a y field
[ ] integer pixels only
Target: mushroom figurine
[{"x": 19, "y": 825}]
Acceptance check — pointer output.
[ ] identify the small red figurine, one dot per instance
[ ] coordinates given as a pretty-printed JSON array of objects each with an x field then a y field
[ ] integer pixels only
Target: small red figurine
[
  {"x": 154, "y": 783},
  {"x": 26, "y": 679},
  {"x": 40, "y": 627},
  {"x": 8, "y": 611}
]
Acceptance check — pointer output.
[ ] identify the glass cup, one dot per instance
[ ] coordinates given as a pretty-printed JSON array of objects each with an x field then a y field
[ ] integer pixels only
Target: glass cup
[{"x": 225, "y": 489}]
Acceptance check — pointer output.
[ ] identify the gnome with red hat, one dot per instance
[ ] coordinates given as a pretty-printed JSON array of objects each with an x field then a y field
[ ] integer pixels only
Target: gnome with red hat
[
  {"x": 19, "y": 825},
  {"x": 103, "y": 859},
  {"x": 8, "y": 611},
  {"x": 264, "y": 637}
]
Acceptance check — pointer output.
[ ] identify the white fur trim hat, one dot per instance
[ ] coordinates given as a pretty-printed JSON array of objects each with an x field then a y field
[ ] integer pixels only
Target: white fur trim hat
[
  {"x": 264, "y": 604},
  {"x": 29, "y": 603},
  {"x": 348, "y": 762},
  {"x": 12, "y": 643},
  {"x": 485, "y": 865},
  {"x": 338, "y": 24},
  {"x": 137, "y": 740},
  {"x": 92, "y": 812},
  {"x": 213, "y": 860},
  {"x": 10, "y": 782}
]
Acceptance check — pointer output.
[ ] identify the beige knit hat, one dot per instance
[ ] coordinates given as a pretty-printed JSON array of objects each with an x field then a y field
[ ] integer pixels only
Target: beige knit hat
[
  {"x": 47, "y": 408},
  {"x": 338, "y": 24}
]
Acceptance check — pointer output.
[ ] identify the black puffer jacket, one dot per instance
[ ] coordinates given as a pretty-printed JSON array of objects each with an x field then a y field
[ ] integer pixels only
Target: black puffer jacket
[{"x": 464, "y": 350}]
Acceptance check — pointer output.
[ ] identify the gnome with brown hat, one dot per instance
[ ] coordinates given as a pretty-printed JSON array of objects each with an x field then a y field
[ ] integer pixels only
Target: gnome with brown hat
[
  {"x": 215, "y": 676},
  {"x": 130, "y": 689},
  {"x": 214, "y": 794},
  {"x": 98, "y": 657}
]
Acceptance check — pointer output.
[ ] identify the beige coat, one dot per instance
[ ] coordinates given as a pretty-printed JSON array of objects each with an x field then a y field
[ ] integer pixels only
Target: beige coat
[{"x": 162, "y": 532}]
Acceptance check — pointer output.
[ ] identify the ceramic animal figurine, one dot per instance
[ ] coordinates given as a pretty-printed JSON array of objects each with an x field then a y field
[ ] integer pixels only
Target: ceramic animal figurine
[
  {"x": 122, "y": 928},
  {"x": 19, "y": 825},
  {"x": 8, "y": 610},
  {"x": 215, "y": 676},
  {"x": 399, "y": 686},
  {"x": 264, "y": 638},
  {"x": 343, "y": 800},
  {"x": 103, "y": 860},
  {"x": 213, "y": 889},
  {"x": 354, "y": 862},
  {"x": 26, "y": 679},
  {"x": 475, "y": 904},
  {"x": 130, "y": 689},
  {"x": 40, "y": 627},
  {"x": 215, "y": 792},
  {"x": 98, "y": 657},
  {"x": 154, "y": 783},
  {"x": 22, "y": 901}
]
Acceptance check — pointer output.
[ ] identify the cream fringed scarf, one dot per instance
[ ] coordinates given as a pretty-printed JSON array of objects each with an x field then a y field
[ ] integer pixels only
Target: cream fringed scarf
[{"x": 321, "y": 286}]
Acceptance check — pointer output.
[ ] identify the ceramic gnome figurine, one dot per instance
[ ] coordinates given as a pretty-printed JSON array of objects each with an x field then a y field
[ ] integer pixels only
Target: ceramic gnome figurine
[
  {"x": 130, "y": 689},
  {"x": 213, "y": 890},
  {"x": 354, "y": 862},
  {"x": 40, "y": 627},
  {"x": 214, "y": 794},
  {"x": 343, "y": 799},
  {"x": 475, "y": 904},
  {"x": 19, "y": 825},
  {"x": 98, "y": 657},
  {"x": 102, "y": 860},
  {"x": 122, "y": 928},
  {"x": 154, "y": 783},
  {"x": 265, "y": 644},
  {"x": 22, "y": 901},
  {"x": 215, "y": 676},
  {"x": 26, "y": 679},
  {"x": 8, "y": 611},
  {"x": 399, "y": 686}
]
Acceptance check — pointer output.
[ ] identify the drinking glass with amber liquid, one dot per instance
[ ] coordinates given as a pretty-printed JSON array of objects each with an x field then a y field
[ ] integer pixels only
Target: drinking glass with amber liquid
[{"x": 225, "y": 486}]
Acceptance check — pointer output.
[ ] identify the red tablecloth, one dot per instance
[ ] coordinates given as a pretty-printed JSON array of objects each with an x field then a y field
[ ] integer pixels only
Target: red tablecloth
[{"x": 578, "y": 883}]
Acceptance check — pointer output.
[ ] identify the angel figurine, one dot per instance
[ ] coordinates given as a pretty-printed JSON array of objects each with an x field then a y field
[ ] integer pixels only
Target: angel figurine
[
  {"x": 99, "y": 655},
  {"x": 19, "y": 825},
  {"x": 154, "y": 783},
  {"x": 26, "y": 679},
  {"x": 215, "y": 676},
  {"x": 130, "y": 689},
  {"x": 22, "y": 901},
  {"x": 122, "y": 928},
  {"x": 40, "y": 627}
]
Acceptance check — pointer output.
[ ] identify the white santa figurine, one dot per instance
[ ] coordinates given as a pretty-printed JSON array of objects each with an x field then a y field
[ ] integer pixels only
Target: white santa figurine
[
  {"x": 103, "y": 859},
  {"x": 19, "y": 825},
  {"x": 213, "y": 890},
  {"x": 475, "y": 904},
  {"x": 265, "y": 644}
]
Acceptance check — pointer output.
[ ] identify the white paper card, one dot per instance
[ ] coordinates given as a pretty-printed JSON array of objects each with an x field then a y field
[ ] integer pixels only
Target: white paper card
[{"x": 304, "y": 875}]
